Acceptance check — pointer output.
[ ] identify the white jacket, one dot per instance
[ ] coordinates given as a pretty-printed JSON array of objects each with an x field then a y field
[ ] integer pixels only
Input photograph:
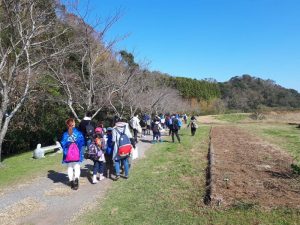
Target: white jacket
[{"x": 135, "y": 122}]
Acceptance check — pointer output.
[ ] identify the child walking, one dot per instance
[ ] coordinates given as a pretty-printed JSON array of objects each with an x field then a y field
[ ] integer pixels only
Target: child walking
[{"x": 96, "y": 154}]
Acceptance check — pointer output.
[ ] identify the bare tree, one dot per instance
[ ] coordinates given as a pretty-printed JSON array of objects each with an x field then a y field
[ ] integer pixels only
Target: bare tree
[
  {"x": 85, "y": 86},
  {"x": 120, "y": 90},
  {"x": 26, "y": 29}
]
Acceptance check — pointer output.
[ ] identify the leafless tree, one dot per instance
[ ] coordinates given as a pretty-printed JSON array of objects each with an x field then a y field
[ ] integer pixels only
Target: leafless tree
[
  {"x": 86, "y": 88},
  {"x": 26, "y": 29}
]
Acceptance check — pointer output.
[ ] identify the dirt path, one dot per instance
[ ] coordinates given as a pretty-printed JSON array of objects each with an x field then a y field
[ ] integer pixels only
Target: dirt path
[
  {"x": 48, "y": 200},
  {"x": 248, "y": 170}
]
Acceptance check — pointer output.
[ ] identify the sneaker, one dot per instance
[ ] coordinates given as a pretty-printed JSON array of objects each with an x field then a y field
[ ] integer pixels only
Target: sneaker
[
  {"x": 117, "y": 177},
  {"x": 101, "y": 177},
  {"x": 76, "y": 184},
  {"x": 126, "y": 177},
  {"x": 95, "y": 181}
]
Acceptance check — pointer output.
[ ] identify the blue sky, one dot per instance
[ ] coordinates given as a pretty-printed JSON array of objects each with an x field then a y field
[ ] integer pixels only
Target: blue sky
[{"x": 210, "y": 38}]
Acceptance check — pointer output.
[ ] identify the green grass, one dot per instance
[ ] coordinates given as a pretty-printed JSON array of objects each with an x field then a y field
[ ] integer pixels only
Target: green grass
[
  {"x": 168, "y": 186},
  {"x": 287, "y": 137},
  {"x": 232, "y": 118},
  {"x": 22, "y": 167}
]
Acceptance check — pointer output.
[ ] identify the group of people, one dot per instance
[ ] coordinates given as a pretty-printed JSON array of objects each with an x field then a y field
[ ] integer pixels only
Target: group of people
[{"x": 110, "y": 148}]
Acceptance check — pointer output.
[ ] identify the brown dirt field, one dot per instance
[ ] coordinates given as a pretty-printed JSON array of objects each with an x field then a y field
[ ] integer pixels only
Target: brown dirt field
[{"x": 248, "y": 170}]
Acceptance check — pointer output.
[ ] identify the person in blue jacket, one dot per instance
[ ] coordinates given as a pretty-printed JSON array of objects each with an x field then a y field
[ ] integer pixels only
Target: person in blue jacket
[
  {"x": 70, "y": 137},
  {"x": 109, "y": 153}
]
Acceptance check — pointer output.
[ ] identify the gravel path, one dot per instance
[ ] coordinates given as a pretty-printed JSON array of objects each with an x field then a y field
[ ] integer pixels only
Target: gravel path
[{"x": 48, "y": 199}]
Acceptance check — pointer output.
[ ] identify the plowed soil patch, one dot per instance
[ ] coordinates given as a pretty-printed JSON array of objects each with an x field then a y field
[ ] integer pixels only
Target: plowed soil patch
[{"x": 249, "y": 171}]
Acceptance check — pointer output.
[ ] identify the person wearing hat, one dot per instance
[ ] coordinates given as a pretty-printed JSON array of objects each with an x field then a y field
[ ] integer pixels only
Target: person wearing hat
[{"x": 96, "y": 151}]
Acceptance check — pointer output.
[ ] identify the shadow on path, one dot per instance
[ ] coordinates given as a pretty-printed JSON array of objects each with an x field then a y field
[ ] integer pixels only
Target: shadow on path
[{"x": 58, "y": 177}]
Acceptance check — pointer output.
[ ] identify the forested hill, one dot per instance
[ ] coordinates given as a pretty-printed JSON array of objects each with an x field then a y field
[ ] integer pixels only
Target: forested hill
[
  {"x": 199, "y": 89},
  {"x": 248, "y": 93},
  {"x": 243, "y": 93}
]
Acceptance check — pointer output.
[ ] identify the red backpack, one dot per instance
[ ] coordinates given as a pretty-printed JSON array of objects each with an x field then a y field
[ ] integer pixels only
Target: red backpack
[{"x": 124, "y": 144}]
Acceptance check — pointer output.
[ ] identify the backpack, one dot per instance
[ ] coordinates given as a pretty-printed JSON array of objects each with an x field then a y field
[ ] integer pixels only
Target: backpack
[
  {"x": 124, "y": 144},
  {"x": 89, "y": 130},
  {"x": 143, "y": 123},
  {"x": 175, "y": 124},
  {"x": 193, "y": 125},
  {"x": 155, "y": 128},
  {"x": 73, "y": 154},
  {"x": 179, "y": 122},
  {"x": 94, "y": 152}
]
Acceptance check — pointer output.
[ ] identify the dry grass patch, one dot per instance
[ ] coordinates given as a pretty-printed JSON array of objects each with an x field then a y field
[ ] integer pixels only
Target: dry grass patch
[
  {"x": 59, "y": 191},
  {"x": 19, "y": 209}
]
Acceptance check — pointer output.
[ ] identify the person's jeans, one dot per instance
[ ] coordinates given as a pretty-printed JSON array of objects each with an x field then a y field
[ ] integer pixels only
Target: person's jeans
[
  {"x": 98, "y": 167},
  {"x": 156, "y": 136},
  {"x": 118, "y": 165}
]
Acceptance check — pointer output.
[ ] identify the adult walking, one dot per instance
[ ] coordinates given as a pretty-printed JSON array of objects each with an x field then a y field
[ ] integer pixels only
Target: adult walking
[
  {"x": 72, "y": 143},
  {"x": 135, "y": 125},
  {"x": 120, "y": 135},
  {"x": 193, "y": 124},
  {"x": 87, "y": 127},
  {"x": 174, "y": 127}
]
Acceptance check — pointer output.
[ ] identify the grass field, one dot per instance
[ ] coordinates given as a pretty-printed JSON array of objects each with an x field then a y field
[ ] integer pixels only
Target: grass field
[
  {"x": 23, "y": 167},
  {"x": 285, "y": 136},
  {"x": 168, "y": 186}
]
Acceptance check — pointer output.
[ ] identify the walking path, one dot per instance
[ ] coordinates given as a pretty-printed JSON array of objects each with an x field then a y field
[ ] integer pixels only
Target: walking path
[{"x": 49, "y": 200}]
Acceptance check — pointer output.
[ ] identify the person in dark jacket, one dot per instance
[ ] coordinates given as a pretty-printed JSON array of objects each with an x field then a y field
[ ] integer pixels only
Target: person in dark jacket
[
  {"x": 87, "y": 127},
  {"x": 193, "y": 124},
  {"x": 174, "y": 128}
]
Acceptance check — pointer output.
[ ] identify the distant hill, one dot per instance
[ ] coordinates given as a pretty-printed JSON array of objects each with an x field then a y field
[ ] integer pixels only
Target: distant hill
[
  {"x": 243, "y": 93},
  {"x": 247, "y": 93}
]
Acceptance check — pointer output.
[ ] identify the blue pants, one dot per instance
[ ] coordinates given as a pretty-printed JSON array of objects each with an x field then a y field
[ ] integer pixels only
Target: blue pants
[
  {"x": 124, "y": 161},
  {"x": 156, "y": 136},
  {"x": 98, "y": 167}
]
